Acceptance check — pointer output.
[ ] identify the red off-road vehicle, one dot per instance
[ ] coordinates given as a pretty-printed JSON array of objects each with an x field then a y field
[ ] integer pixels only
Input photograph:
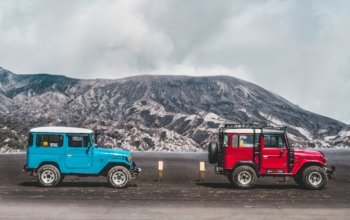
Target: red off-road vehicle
[{"x": 246, "y": 152}]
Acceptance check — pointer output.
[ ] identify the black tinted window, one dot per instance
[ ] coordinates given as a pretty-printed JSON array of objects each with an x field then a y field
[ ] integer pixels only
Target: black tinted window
[
  {"x": 78, "y": 141},
  {"x": 45, "y": 140},
  {"x": 274, "y": 141}
]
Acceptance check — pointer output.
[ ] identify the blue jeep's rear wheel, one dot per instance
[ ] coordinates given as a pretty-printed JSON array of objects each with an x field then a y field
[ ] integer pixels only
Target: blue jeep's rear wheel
[{"x": 49, "y": 175}]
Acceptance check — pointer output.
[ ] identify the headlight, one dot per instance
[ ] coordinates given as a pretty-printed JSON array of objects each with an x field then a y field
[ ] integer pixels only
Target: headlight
[{"x": 129, "y": 158}]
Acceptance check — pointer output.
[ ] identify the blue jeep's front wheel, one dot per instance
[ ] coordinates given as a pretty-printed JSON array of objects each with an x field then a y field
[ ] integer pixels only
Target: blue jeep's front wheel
[{"x": 119, "y": 176}]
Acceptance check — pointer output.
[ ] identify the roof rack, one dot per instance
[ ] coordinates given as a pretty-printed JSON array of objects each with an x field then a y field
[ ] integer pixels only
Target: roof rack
[
  {"x": 254, "y": 125},
  {"x": 276, "y": 128}
]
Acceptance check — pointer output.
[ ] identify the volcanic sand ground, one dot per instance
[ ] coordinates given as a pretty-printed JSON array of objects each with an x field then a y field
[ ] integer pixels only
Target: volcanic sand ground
[{"x": 180, "y": 195}]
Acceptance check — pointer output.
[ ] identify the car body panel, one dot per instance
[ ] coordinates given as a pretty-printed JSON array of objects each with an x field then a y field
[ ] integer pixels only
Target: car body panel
[
  {"x": 72, "y": 160},
  {"x": 270, "y": 160}
]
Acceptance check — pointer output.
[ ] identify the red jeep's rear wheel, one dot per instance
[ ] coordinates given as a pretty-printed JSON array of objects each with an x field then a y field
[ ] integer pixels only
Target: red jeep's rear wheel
[{"x": 243, "y": 177}]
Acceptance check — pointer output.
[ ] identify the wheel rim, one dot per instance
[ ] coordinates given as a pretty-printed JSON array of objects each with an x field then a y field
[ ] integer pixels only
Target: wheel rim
[
  {"x": 315, "y": 178},
  {"x": 119, "y": 178},
  {"x": 48, "y": 176},
  {"x": 244, "y": 177}
]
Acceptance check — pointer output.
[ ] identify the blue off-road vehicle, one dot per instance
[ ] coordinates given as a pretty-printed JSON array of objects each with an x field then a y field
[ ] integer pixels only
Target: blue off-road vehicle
[{"x": 55, "y": 152}]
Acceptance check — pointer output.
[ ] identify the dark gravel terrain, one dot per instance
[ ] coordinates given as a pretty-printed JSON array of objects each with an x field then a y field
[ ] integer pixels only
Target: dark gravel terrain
[{"x": 179, "y": 195}]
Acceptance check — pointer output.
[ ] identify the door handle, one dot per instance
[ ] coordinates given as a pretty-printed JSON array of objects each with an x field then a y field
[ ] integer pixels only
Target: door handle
[
  {"x": 265, "y": 156},
  {"x": 69, "y": 155}
]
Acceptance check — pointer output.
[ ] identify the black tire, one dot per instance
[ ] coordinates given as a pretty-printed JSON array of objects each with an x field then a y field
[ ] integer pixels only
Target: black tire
[
  {"x": 49, "y": 175},
  {"x": 213, "y": 152},
  {"x": 314, "y": 177},
  {"x": 243, "y": 177},
  {"x": 119, "y": 177}
]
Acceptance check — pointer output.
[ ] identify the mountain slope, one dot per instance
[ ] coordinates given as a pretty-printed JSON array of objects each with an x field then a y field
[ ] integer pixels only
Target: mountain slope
[{"x": 152, "y": 112}]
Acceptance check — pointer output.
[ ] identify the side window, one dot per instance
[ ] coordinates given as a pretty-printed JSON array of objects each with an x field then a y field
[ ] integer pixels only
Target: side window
[
  {"x": 48, "y": 140},
  {"x": 235, "y": 141},
  {"x": 274, "y": 141},
  {"x": 30, "y": 140},
  {"x": 245, "y": 141},
  {"x": 248, "y": 140},
  {"x": 78, "y": 141}
]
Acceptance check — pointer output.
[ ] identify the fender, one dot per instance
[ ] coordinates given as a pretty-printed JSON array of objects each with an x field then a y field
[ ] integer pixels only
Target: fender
[
  {"x": 246, "y": 162},
  {"x": 105, "y": 169},
  {"x": 300, "y": 166},
  {"x": 49, "y": 163}
]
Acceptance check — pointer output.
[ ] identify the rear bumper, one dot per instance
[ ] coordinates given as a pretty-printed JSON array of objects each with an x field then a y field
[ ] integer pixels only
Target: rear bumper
[
  {"x": 218, "y": 169},
  {"x": 26, "y": 169}
]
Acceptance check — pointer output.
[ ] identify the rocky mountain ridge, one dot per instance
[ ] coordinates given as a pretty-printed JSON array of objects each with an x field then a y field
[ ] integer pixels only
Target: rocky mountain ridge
[{"x": 160, "y": 113}]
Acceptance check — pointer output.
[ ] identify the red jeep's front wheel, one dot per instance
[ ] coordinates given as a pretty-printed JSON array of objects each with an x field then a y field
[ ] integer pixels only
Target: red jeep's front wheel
[
  {"x": 314, "y": 177},
  {"x": 243, "y": 177}
]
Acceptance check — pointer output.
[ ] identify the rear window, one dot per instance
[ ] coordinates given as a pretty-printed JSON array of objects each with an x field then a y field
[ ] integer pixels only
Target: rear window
[
  {"x": 225, "y": 143},
  {"x": 248, "y": 140},
  {"x": 30, "y": 140},
  {"x": 49, "y": 140}
]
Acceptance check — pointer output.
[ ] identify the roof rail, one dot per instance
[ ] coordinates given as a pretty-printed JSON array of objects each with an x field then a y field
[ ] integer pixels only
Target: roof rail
[{"x": 253, "y": 125}]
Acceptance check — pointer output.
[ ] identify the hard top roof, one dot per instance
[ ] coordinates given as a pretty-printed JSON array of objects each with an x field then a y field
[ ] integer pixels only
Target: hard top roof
[
  {"x": 252, "y": 128},
  {"x": 62, "y": 130}
]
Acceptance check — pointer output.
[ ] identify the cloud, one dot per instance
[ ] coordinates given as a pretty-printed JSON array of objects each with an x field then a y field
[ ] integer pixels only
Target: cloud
[{"x": 298, "y": 49}]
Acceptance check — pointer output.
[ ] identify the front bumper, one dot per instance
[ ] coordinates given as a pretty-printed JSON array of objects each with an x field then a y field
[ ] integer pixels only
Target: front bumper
[
  {"x": 330, "y": 170},
  {"x": 135, "y": 171}
]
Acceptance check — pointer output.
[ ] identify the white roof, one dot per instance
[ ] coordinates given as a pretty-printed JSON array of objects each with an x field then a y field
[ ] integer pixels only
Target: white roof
[
  {"x": 251, "y": 131},
  {"x": 62, "y": 130}
]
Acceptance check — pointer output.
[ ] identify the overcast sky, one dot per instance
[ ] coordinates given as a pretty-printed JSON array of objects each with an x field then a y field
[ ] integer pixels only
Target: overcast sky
[{"x": 297, "y": 49}]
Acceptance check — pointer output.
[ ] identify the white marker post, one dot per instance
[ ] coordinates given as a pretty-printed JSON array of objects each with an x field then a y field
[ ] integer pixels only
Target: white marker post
[
  {"x": 286, "y": 179},
  {"x": 160, "y": 170},
  {"x": 201, "y": 170}
]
